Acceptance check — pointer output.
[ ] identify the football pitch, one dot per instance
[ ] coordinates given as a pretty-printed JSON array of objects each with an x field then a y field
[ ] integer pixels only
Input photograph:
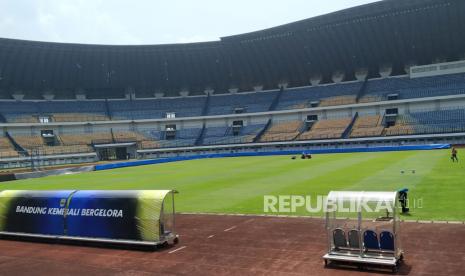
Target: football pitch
[{"x": 237, "y": 185}]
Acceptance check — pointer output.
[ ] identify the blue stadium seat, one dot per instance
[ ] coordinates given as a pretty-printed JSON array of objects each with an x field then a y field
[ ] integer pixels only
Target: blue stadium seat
[
  {"x": 408, "y": 88},
  {"x": 225, "y": 135},
  {"x": 156, "y": 108},
  {"x": 386, "y": 240},
  {"x": 249, "y": 102},
  {"x": 370, "y": 240},
  {"x": 443, "y": 121},
  {"x": 302, "y": 97}
]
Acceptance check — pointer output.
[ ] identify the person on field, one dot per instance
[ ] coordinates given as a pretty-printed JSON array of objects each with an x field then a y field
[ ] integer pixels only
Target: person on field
[{"x": 454, "y": 155}]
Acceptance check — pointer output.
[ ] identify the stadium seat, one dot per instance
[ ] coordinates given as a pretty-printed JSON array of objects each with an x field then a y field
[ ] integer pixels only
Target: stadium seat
[
  {"x": 226, "y": 135},
  {"x": 128, "y": 136},
  {"x": 407, "y": 88},
  {"x": 326, "y": 129},
  {"x": 248, "y": 102},
  {"x": 6, "y": 149},
  {"x": 85, "y": 138},
  {"x": 367, "y": 126},
  {"x": 370, "y": 240},
  {"x": 282, "y": 131},
  {"x": 354, "y": 238},
  {"x": 151, "y": 139},
  {"x": 339, "y": 238},
  {"x": 386, "y": 240},
  {"x": 338, "y": 100},
  {"x": 429, "y": 122},
  {"x": 79, "y": 117},
  {"x": 156, "y": 108},
  {"x": 334, "y": 94}
]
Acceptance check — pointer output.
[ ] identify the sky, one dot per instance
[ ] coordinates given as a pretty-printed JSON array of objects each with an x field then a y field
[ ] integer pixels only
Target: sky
[{"x": 125, "y": 22}]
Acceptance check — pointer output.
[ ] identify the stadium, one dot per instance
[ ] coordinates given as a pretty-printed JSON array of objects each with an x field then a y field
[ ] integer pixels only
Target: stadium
[{"x": 370, "y": 98}]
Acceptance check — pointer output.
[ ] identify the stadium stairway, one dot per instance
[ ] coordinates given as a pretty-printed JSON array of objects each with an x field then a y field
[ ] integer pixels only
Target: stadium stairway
[
  {"x": 276, "y": 99},
  {"x": 362, "y": 90},
  {"x": 39, "y": 109},
  {"x": 17, "y": 146},
  {"x": 302, "y": 129},
  {"x": 131, "y": 111},
  {"x": 383, "y": 121},
  {"x": 107, "y": 109},
  {"x": 206, "y": 107},
  {"x": 113, "y": 140},
  {"x": 348, "y": 130},
  {"x": 261, "y": 132},
  {"x": 2, "y": 118},
  {"x": 199, "y": 140},
  {"x": 59, "y": 140}
]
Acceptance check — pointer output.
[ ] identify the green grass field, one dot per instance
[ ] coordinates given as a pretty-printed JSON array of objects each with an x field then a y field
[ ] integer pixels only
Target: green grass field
[{"x": 237, "y": 185}]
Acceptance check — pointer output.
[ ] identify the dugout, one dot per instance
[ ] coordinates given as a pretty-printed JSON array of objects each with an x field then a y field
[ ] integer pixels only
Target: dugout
[
  {"x": 363, "y": 229},
  {"x": 136, "y": 217},
  {"x": 116, "y": 151}
]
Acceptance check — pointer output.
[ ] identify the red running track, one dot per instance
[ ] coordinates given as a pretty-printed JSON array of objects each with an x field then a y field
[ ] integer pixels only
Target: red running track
[{"x": 236, "y": 245}]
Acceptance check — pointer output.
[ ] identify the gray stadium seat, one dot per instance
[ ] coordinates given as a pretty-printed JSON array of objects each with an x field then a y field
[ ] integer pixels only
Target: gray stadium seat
[
  {"x": 354, "y": 238},
  {"x": 339, "y": 238}
]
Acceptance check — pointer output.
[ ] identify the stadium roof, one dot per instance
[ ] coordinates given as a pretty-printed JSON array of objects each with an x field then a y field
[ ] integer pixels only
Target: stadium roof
[{"x": 386, "y": 32}]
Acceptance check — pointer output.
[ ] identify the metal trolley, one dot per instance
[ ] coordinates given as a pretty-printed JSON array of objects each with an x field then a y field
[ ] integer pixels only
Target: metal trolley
[{"x": 363, "y": 229}]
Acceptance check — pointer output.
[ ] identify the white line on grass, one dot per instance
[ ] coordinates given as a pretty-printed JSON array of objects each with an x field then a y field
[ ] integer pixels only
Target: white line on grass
[
  {"x": 180, "y": 248},
  {"x": 211, "y": 236}
]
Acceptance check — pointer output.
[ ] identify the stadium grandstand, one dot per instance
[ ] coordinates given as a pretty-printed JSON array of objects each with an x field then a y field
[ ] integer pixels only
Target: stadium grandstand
[{"x": 386, "y": 73}]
